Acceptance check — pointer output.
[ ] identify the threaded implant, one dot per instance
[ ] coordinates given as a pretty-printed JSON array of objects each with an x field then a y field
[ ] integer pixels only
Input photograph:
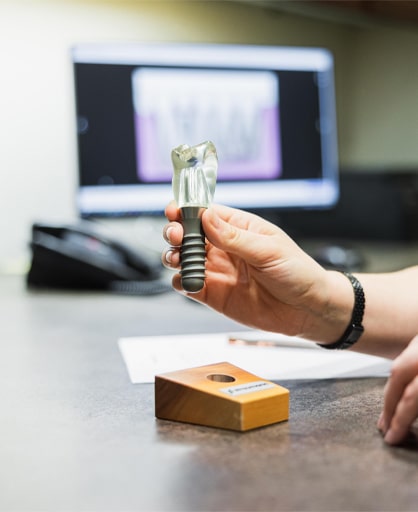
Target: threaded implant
[
  {"x": 193, "y": 263},
  {"x": 193, "y": 251}
]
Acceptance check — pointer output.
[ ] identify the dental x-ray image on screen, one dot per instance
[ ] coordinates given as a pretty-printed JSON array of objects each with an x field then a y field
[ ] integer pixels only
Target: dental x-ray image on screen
[
  {"x": 237, "y": 110},
  {"x": 270, "y": 111}
]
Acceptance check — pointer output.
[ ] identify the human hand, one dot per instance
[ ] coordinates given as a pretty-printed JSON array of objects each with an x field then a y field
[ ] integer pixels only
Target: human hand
[
  {"x": 400, "y": 408},
  {"x": 257, "y": 275}
]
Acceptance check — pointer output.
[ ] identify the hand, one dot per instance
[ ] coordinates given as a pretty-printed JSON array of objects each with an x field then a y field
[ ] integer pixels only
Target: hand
[
  {"x": 257, "y": 275},
  {"x": 400, "y": 408}
]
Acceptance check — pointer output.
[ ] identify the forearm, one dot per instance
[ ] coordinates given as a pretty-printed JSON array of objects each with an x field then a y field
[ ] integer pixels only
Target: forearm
[
  {"x": 391, "y": 314},
  {"x": 390, "y": 317}
]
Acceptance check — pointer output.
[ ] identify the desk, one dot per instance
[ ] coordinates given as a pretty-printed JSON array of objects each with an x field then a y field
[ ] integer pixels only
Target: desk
[{"x": 76, "y": 435}]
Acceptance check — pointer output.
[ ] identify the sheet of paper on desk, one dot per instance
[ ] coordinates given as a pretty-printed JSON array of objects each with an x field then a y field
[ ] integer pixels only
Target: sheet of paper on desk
[{"x": 279, "y": 359}]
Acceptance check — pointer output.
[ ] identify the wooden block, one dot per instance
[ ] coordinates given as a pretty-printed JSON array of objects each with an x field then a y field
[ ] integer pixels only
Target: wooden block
[{"x": 220, "y": 395}]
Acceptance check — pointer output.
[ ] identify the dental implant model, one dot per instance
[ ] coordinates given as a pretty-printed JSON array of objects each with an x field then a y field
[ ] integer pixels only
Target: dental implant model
[{"x": 194, "y": 181}]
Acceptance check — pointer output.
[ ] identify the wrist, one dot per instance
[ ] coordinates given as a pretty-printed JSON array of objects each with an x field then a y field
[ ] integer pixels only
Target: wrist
[
  {"x": 336, "y": 309},
  {"x": 355, "y": 327}
]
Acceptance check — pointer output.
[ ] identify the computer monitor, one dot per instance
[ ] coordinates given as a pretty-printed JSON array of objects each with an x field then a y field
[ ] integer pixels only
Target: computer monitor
[{"x": 270, "y": 111}]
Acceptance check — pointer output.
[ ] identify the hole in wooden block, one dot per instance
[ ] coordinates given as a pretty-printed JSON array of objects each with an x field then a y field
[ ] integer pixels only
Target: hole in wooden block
[{"x": 219, "y": 377}]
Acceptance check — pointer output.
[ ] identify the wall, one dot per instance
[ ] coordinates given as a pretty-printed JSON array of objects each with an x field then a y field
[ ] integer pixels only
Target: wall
[
  {"x": 37, "y": 133},
  {"x": 381, "y": 115}
]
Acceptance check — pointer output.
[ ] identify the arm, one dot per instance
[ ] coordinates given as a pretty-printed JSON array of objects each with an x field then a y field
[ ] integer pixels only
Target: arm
[
  {"x": 391, "y": 314},
  {"x": 257, "y": 275}
]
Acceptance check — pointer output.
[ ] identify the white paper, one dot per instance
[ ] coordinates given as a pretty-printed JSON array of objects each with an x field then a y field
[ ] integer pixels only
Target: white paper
[{"x": 290, "y": 358}]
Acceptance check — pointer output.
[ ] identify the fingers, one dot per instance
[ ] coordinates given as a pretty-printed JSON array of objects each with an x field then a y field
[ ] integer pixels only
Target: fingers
[
  {"x": 405, "y": 414},
  {"x": 241, "y": 219},
  {"x": 171, "y": 258},
  {"x": 173, "y": 235},
  {"x": 401, "y": 396},
  {"x": 218, "y": 228},
  {"x": 246, "y": 236},
  {"x": 172, "y": 212}
]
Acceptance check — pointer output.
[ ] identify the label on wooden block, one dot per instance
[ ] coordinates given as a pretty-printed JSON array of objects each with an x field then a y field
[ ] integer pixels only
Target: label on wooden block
[{"x": 249, "y": 387}]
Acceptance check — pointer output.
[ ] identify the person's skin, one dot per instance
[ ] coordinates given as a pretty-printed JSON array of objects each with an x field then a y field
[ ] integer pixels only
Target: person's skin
[
  {"x": 258, "y": 276},
  {"x": 401, "y": 396}
]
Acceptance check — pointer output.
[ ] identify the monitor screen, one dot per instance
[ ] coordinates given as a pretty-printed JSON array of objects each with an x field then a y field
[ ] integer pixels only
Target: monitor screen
[{"x": 270, "y": 111}]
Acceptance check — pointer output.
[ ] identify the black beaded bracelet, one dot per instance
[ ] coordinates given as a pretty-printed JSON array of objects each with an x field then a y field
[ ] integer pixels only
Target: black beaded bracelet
[{"x": 355, "y": 328}]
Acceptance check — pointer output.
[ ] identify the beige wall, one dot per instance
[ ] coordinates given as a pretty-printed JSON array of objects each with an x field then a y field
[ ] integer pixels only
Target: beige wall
[
  {"x": 376, "y": 76},
  {"x": 380, "y": 118}
]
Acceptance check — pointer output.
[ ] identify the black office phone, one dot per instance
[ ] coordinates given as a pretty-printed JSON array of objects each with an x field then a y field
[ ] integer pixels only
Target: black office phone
[{"x": 80, "y": 257}]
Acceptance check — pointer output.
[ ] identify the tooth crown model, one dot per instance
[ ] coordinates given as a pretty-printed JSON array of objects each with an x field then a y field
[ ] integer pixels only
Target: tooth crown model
[{"x": 194, "y": 181}]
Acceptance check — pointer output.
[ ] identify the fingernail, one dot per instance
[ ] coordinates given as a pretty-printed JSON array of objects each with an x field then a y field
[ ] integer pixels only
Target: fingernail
[
  {"x": 168, "y": 233},
  {"x": 390, "y": 437},
  {"x": 168, "y": 256}
]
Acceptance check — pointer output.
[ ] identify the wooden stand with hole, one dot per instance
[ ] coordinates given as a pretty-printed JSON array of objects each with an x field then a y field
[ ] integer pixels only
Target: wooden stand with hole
[{"x": 220, "y": 395}]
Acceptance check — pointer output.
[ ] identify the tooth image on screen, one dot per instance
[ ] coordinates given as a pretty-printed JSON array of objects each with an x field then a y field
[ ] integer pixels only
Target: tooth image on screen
[{"x": 238, "y": 110}]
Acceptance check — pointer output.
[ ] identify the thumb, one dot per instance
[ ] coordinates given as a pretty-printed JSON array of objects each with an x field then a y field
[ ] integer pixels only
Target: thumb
[{"x": 250, "y": 246}]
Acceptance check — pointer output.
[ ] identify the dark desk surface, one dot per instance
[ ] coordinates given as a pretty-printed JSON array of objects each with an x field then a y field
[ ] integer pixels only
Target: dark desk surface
[{"x": 76, "y": 435}]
